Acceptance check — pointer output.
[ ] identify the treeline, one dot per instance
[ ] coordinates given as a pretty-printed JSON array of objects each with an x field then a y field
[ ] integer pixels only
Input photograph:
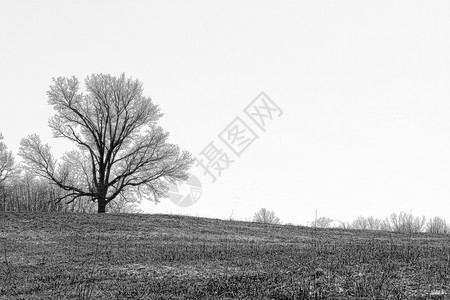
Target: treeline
[
  {"x": 21, "y": 191},
  {"x": 401, "y": 222},
  {"x": 24, "y": 192}
]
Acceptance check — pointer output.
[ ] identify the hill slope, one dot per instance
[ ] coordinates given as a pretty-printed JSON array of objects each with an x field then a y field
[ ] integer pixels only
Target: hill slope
[{"x": 81, "y": 256}]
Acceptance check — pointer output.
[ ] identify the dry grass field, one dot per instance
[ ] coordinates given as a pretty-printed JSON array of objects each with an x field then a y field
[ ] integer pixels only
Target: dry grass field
[{"x": 83, "y": 256}]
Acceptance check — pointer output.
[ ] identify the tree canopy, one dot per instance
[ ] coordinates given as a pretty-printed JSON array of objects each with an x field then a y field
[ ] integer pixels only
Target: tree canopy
[{"x": 121, "y": 151}]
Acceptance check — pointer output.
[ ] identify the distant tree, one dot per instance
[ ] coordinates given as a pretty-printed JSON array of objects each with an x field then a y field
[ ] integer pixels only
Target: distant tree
[
  {"x": 6, "y": 162},
  {"x": 385, "y": 225},
  {"x": 322, "y": 222},
  {"x": 121, "y": 151},
  {"x": 360, "y": 223},
  {"x": 406, "y": 222},
  {"x": 438, "y": 225},
  {"x": 266, "y": 216},
  {"x": 368, "y": 223}
]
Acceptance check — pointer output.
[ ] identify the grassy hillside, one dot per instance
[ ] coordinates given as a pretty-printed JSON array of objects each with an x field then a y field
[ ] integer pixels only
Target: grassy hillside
[{"x": 81, "y": 256}]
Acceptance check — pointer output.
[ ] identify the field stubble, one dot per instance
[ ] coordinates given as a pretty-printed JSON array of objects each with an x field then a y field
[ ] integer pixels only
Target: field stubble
[{"x": 82, "y": 256}]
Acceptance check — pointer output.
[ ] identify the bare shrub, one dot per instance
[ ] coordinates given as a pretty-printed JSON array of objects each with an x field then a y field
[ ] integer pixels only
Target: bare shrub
[
  {"x": 369, "y": 223},
  {"x": 266, "y": 216},
  {"x": 438, "y": 225},
  {"x": 322, "y": 222},
  {"x": 406, "y": 222}
]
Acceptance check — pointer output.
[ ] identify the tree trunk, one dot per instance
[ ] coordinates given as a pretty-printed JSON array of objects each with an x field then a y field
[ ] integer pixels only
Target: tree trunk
[
  {"x": 101, "y": 198},
  {"x": 101, "y": 205}
]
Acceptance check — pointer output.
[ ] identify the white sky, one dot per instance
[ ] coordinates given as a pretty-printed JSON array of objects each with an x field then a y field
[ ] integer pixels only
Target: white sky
[{"x": 363, "y": 85}]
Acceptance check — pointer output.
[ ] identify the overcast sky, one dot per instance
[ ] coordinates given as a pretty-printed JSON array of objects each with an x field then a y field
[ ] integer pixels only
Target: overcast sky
[{"x": 364, "y": 89}]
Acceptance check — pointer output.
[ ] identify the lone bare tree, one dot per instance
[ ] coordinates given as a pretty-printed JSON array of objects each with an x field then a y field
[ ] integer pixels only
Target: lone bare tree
[
  {"x": 6, "y": 161},
  {"x": 121, "y": 151},
  {"x": 266, "y": 216}
]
